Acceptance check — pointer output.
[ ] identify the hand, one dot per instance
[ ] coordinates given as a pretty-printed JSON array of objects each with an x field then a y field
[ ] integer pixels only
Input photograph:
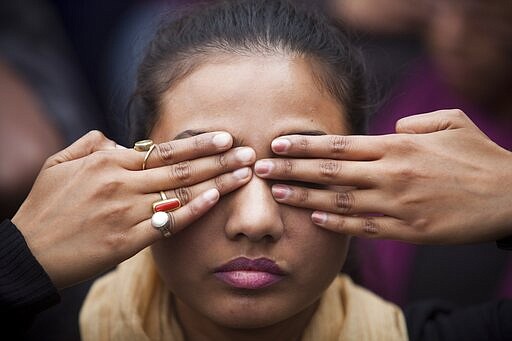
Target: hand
[
  {"x": 91, "y": 205},
  {"x": 438, "y": 180}
]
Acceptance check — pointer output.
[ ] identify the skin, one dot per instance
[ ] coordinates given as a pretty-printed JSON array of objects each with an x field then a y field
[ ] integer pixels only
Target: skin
[
  {"x": 266, "y": 97},
  {"x": 439, "y": 180},
  {"x": 90, "y": 207}
]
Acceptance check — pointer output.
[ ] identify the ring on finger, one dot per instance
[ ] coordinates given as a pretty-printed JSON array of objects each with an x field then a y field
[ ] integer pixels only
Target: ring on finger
[
  {"x": 143, "y": 145},
  {"x": 162, "y": 222},
  {"x": 147, "y": 156},
  {"x": 166, "y": 204}
]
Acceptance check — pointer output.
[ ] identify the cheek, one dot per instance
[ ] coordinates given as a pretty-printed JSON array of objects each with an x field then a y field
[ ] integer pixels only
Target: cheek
[
  {"x": 185, "y": 257},
  {"x": 320, "y": 252}
]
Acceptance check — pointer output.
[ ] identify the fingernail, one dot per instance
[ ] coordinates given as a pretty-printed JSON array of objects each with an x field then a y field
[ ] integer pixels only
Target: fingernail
[
  {"x": 222, "y": 140},
  {"x": 245, "y": 154},
  {"x": 241, "y": 173},
  {"x": 319, "y": 218},
  {"x": 281, "y": 191},
  {"x": 211, "y": 195},
  {"x": 281, "y": 145},
  {"x": 263, "y": 167}
]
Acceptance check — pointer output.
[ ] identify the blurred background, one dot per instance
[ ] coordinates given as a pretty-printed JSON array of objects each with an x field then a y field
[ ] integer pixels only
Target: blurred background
[{"x": 67, "y": 67}]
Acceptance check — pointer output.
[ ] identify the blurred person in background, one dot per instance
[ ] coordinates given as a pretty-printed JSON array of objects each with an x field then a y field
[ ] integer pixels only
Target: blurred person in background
[
  {"x": 45, "y": 102},
  {"x": 467, "y": 64}
]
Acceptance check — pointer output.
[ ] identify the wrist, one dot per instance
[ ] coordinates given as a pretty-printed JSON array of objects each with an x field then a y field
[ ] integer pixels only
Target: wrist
[{"x": 505, "y": 243}]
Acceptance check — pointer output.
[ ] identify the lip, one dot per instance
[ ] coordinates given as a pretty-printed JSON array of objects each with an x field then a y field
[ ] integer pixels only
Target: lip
[{"x": 245, "y": 273}]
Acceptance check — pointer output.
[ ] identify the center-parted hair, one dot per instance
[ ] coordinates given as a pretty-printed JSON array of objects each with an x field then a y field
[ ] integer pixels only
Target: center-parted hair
[{"x": 249, "y": 27}]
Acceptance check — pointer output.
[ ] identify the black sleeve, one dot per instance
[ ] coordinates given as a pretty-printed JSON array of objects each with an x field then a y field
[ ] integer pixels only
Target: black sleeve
[
  {"x": 436, "y": 320},
  {"x": 25, "y": 287},
  {"x": 505, "y": 243}
]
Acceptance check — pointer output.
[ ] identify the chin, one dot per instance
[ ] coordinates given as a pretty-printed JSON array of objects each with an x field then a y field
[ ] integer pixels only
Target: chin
[{"x": 249, "y": 314}]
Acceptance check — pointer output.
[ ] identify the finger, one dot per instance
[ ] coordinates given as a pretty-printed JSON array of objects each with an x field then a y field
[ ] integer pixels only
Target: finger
[
  {"x": 330, "y": 146},
  {"x": 187, "y": 173},
  {"x": 378, "y": 227},
  {"x": 225, "y": 183},
  {"x": 434, "y": 121},
  {"x": 171, "y": 152},
  {"x": 168, "y": 153},
  {"x": 339, "y": 202},
  {"x": 319, "y": 171},
  {"x": 89, "y": 143},
  {"x": 145, "y": 234}
]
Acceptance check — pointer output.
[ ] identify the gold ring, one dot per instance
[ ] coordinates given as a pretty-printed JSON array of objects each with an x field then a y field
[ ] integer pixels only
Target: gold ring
[
  {"x": 143, "y": 145},
  {"x": 162, "y": 195},
  {"x": 147, "y": 156}
]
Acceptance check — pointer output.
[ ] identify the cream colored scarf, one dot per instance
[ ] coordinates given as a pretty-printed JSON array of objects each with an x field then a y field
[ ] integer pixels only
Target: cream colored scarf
[{"x": 131, "y": 303}]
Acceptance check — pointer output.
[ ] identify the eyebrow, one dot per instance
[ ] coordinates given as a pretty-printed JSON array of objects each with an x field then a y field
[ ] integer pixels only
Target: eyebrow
[{"x": 238, "y": 142}]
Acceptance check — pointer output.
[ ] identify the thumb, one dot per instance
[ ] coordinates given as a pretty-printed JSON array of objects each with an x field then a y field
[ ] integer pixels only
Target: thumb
[
  {"x": 89, "y": 143},
  {"x": 434, "y": 121}
]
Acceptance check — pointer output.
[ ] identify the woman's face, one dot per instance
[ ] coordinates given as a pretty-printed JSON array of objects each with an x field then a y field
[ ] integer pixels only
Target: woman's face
[{"x": 255, "y": 99}]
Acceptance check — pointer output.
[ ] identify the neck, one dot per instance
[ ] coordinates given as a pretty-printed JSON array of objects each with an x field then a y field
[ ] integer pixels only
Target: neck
[{"x": 198, "y": 327}]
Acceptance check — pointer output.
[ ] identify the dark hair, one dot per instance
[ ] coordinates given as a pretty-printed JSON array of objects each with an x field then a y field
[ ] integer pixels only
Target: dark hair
[{"x": 248, "y": 27}]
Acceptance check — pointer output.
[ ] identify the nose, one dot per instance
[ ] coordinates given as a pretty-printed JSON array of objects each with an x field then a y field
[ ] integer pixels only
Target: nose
[{"x": 255, "y": 214}]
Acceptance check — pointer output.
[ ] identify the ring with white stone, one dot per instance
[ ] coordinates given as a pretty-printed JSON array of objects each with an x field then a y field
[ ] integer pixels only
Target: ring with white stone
[{"x": 162, "y": 222}]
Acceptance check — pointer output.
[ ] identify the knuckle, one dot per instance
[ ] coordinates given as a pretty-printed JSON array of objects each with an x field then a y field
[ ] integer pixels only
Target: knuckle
[
  {"x": 172, "y": 223},
  {"x": 183, "y": 194},
  {"x": 457, "y": 114},
  {"x": 402, "y": 143},
  {"x": 166, "y": 152},
  {"x": 194, "y": 209},
  {"x": 370, "y": 226},
  {"x": 405, "y": 173},
  {"x": 343, "y": 202},
  {"x": 287, "y": 166},
  {"x": 98, "y": 160},
  {"x": 109, "y": 187},
  {"x": 182, "y": 171},
  {"x": 222, "y": 161},
  {"x": 420, "y": 224},
  {"x": 96, "y": 135},
  {"x": 220, "y": 183},
  {"x": 200, "y": 143},
  {"x": 338, "y": 144},
  {"x": 303, "y": 195},
  {"x": 330, "y": 168},
  {"x": 339, "y": 224},
  {"x": 115, "y": 242},
  {"x": 303, "y": 144}
]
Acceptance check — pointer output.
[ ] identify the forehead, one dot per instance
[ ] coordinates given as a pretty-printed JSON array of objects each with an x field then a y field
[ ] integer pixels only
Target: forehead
[{"x": 255, "y": 98}]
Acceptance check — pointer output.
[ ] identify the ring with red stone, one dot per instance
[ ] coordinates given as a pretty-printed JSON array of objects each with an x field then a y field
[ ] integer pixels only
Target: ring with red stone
[
  {"x": 167, "y": 205},
  {"x": 162, "y": 222}
]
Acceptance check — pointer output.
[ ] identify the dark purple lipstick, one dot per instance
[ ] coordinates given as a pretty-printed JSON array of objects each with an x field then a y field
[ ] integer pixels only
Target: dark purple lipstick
[{"x": 245, "y": 273}]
